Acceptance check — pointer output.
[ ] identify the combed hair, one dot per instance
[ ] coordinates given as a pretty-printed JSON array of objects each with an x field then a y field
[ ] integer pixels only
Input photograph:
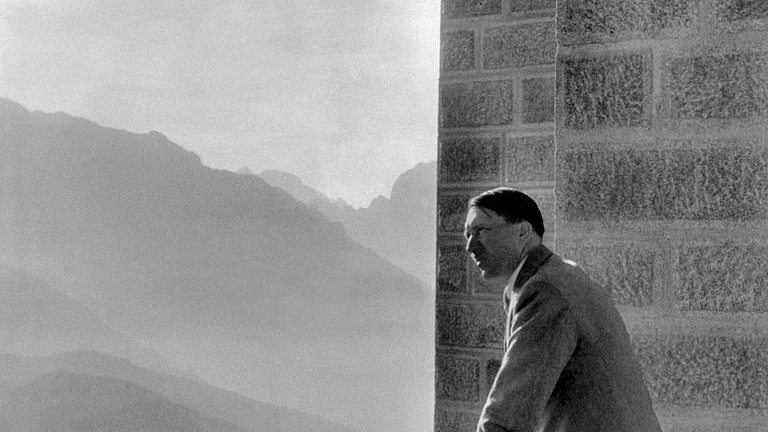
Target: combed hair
[{"x": 513, "y": 205}]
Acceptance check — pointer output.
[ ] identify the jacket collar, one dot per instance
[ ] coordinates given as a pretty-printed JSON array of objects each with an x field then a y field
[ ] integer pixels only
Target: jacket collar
[{"x": 536, "y": 257}]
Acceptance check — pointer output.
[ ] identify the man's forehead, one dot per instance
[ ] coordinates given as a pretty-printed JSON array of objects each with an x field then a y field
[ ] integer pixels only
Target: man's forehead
[{"x": 477, "y": 215}]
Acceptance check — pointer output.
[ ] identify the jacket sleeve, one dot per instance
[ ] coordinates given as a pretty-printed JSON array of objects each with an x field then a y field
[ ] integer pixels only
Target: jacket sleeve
[{"x": 542, "y": 339}]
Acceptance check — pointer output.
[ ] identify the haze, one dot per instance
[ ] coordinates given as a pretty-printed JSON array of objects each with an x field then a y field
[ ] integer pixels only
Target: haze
[{"x": 327, "y": 90}]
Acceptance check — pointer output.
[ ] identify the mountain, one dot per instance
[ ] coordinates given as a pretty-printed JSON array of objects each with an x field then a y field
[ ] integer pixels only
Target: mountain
[
  {"x": 292, "y": 184},
  {"x": 36, "y": 319},
  {"x": 230, "y": 278},
  {"x": 67, "y": 402},
  {"x": 400, "y": 228},
  {"x": 206, "y": 400}
]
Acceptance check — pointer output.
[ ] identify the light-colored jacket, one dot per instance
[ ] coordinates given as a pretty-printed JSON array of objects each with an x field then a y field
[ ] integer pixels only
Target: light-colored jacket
[{"x": 568, "y": 364}]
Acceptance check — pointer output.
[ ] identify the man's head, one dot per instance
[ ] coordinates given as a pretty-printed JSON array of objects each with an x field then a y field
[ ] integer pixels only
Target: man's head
[{"x": 502, "y": 225}]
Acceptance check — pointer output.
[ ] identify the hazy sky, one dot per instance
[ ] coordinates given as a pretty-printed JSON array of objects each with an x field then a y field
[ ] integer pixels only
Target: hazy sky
[{"x": 340, "y": 92}]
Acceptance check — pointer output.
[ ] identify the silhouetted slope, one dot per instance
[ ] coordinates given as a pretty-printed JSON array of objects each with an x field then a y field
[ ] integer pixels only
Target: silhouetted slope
[
  {"x": 67, "y": 402},
  {"x": 400, "y": 228},
  {"x": 207, "y": 400},
  {"x": 233, "y": 279},
  {"x": 36, "y": 319}
]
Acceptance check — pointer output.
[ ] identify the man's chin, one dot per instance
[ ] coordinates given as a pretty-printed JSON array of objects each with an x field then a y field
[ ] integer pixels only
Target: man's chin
[{"x": 489, "y": 276}]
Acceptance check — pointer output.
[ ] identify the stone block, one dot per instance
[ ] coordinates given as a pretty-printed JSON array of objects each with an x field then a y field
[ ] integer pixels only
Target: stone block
[
  {"x": 478, "y": 103},
  {"x": 704, "y": 419},
  {"x": 738, "y": 10},
  {"x": 538, "y": 100},
  {"x": 531, "y": 5},
  {"x": 468, "y": 160},
  {"x": 718, "y": 86},
  {"x": 458, "y": 379},
  {"x": 596, "y": 21},
  {"x": 627, "y": 272},
  {"x": 712, "y": 371},
  {"x": 491, "y": 369},
  {"x": 609, "y": 91},
  {"x": 470, "y": 8},
  {"x": 452, "y": 269},
  {"x": 455, "y": 421},
  {"x": 470, "y": 326},
  {"x": 519, "y": 45},
  {"x": 677, "y": 184},
  {"x": 727, "y": 277},
  {"x": 530, "y": 159},
  {"x": 458, "y": 51},
  {"x": 452, "y": 212}
]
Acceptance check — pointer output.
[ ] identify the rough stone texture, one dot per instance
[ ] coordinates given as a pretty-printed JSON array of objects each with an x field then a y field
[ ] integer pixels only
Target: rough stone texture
[
  {"x": 452, "y": 269},
  {"x": 737, "y": 10},
  {"x": 731, "y": 85},
  {"x": 520, "y": 45},
  {"x": 694, "y": 184},
  {"x": 604, "y": 91},
  {"x": 627, "y": 273},
  {"x": 470, "y": 8},
  {"x": 479, "y": 103},
  {"x": 491, "y": 369},
  {"x": 452, "y": 211},
  {"x": 470, "y": 160},
  {"x": 530, "y": 5},
  {"x": 538, "y": 100},
  {"x": 455, "y": 421},
  {"x": 728, "y": 277},
  {"x": 458, "y": 51},
  {"x": 712, "y": 420},
  {"x": 595, "y": 21},
  {"x": 458, "y": 379},
  {"x": 470, "y": 326},
  {"x": 531, "y": 159},
  {"x": 713, "y": 371}
]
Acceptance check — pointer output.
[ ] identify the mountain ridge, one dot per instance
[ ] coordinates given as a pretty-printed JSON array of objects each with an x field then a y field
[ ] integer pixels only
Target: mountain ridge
[
  {"x": 195, "y": 394},
  {"x": 400, "y": 228},
  {"x": 85, "y": 403}
]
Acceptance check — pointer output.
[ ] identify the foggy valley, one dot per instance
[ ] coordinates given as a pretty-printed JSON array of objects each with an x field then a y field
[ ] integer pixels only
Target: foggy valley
[{"x": 138, "y": 285}]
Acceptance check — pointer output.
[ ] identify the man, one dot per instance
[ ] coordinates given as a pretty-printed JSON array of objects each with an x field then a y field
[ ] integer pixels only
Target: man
[{"x": 568, "y": 363}]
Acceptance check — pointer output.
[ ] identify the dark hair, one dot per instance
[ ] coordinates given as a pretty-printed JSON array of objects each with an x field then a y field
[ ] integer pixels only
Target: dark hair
[{"x": 513, "y": 205}]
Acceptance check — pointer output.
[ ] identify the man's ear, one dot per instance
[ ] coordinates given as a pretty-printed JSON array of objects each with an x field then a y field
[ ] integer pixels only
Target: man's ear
[{"x": 525, "y": 229}]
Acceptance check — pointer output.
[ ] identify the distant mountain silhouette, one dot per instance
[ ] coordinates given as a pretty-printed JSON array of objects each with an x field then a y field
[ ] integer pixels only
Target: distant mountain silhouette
[
  {"x": 66, "y": 402},
  {"x": 400, "y": 228},
  {"x": 234, "y": 280},
  {"x": 36, "y": 319},
  {"x": 204, "y": 399}
]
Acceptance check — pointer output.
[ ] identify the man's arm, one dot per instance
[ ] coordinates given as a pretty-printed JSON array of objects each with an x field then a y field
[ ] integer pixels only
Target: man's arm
[{"x": 543, "y": 338}]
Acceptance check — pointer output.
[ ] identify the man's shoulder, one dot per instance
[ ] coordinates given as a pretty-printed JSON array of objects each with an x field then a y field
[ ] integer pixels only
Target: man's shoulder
[{"x": 574, "y": 284}]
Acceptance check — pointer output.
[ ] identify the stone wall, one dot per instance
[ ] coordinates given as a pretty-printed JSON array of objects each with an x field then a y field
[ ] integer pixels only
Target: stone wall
[
  {"x": 660, "y": 167},
  {"x": 497, "y": 90}
]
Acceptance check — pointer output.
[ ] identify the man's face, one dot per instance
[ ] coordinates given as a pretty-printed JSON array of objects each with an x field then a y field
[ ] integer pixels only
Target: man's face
[{"x": 495, "y": 245}]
